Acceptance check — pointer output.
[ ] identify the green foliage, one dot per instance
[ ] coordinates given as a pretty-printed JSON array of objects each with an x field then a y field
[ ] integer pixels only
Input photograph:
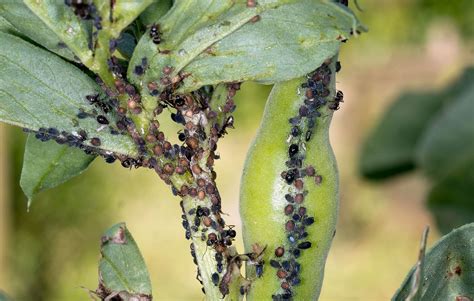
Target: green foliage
[
  {"x": 216, "y": 49},
  {"x": 390, "y": 148},
  {"x": 446, "y": 272},
  {"x": 450, "y": 199},
  {"x": 459, "y": 12},
  {"x": 431, "y": 131},
  {"x": 28, "y": 25},
  {"x": 121, "y": 267},
  {"x": 65, "y": 25},
  {"x": 203, "y": 43},
  {"x": 48, "y": 164},
  {"x": 39, "y": 90},
  {"x": 448, "y": 144},
  {"x": 155, "y": 11}
]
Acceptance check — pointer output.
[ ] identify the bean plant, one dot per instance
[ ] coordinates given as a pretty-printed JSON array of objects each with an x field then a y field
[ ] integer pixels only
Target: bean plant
[{"x": 93, "y": 79}]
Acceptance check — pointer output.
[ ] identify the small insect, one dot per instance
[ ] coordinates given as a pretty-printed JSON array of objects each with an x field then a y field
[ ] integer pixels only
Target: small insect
[
  {"x": 215, "y": 279},
  {"x": 110, "y": 159},
  {"x": 295, "y": 131},
  {"x": 337, "y": 100},
  {"x": 304, "y": 245},
  {"x": 290, "y": 176},
  {"x": 178, "y": 117},
  {"x": 279, "y": 252},
  {"x": 93, "y": 98},
  {"x": 95, "y": 141},
  {"x": 155, "y": 33},
  {"x": 229, "y": 123},
  {"x": 82, "y": 9},
  {"x": 179, "y": 101},
  {"x": 293, "y": 150},
  {"x": 308, "y": 221},
  {"x": 102, "y": 119},
  {"x": 296, "y": 253},
  {"x": 259, "y": 270},
  {"x": 275, "y": 264}
]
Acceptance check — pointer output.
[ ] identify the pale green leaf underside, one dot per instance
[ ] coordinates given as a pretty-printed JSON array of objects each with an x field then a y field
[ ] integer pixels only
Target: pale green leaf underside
[
  {"x": 291, "y": 38},
  {"x": 48, "y": 164},
  {"x": 122, "y": 267},
  {"x": 39, "y": 90},
  {"x": 448, "y": 269},
  {"x": 29, "y": 25},
  {"x": 287, "y": 42},
  {"x": 65, "y": 24},
  {"x": 123, "y": 13}
]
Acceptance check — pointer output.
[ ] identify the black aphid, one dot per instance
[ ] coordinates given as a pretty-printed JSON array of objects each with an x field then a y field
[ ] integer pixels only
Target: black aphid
[
  {"x": 102, "y": 119},
  {"x": 304, "y": 245}
]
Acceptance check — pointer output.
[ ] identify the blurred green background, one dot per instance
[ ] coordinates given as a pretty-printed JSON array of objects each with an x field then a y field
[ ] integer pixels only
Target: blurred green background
[{"x": 51, "y": 252}]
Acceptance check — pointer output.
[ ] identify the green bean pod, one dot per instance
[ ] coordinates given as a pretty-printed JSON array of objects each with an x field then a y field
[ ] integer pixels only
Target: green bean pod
[{"x": 289, "y": 189}]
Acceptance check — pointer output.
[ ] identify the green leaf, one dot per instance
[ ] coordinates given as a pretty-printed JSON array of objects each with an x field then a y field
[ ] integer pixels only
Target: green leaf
[
  {"x": 65, "y": 24},
  {"x": 448, "y": 145},
  {"x": 39, "y": 90},
  {"x": 390, "y": 147},
  {"x": 48, "y": 164},
  {"x": 30, "y": 26},
  {"x": 155, "y": 11},
  {"x": 450, "y": 200},
  {"x": 211, "y": 41},
  {"x": 6, "y": 26},
  {"x": 123, "y": 13},
  {"x": 287, "y": 42},
  {"x": 121, "y": 267},
  {"x": 125, "y": 45},
  {"x": 447, "y": 270}
]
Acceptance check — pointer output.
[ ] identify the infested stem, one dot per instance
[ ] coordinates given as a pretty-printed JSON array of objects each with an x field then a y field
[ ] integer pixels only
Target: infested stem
[
  {"x": 204, "y": 255},
  {"x": 289, "y": 200}
]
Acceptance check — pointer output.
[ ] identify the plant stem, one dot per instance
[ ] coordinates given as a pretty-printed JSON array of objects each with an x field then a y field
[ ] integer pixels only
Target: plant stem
[{"x": 293, "y": 216}]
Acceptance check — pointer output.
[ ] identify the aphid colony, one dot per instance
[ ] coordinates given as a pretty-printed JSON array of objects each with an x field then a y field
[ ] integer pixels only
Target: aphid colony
[
  {"x": 285, "y": 260},
  {"x": 188, "y": 166},
  {"x": 202, "y": 129}
]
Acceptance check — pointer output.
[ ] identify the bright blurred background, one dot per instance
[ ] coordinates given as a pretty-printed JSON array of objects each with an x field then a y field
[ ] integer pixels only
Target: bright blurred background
[{"x": 51, "y": 252}]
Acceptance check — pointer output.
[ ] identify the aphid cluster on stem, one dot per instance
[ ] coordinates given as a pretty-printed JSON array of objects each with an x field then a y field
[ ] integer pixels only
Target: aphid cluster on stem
[
  {"x": 298, "y": 219},
  {"x": 187, "y": 166},
  {"x": 203, "y": 123}
]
